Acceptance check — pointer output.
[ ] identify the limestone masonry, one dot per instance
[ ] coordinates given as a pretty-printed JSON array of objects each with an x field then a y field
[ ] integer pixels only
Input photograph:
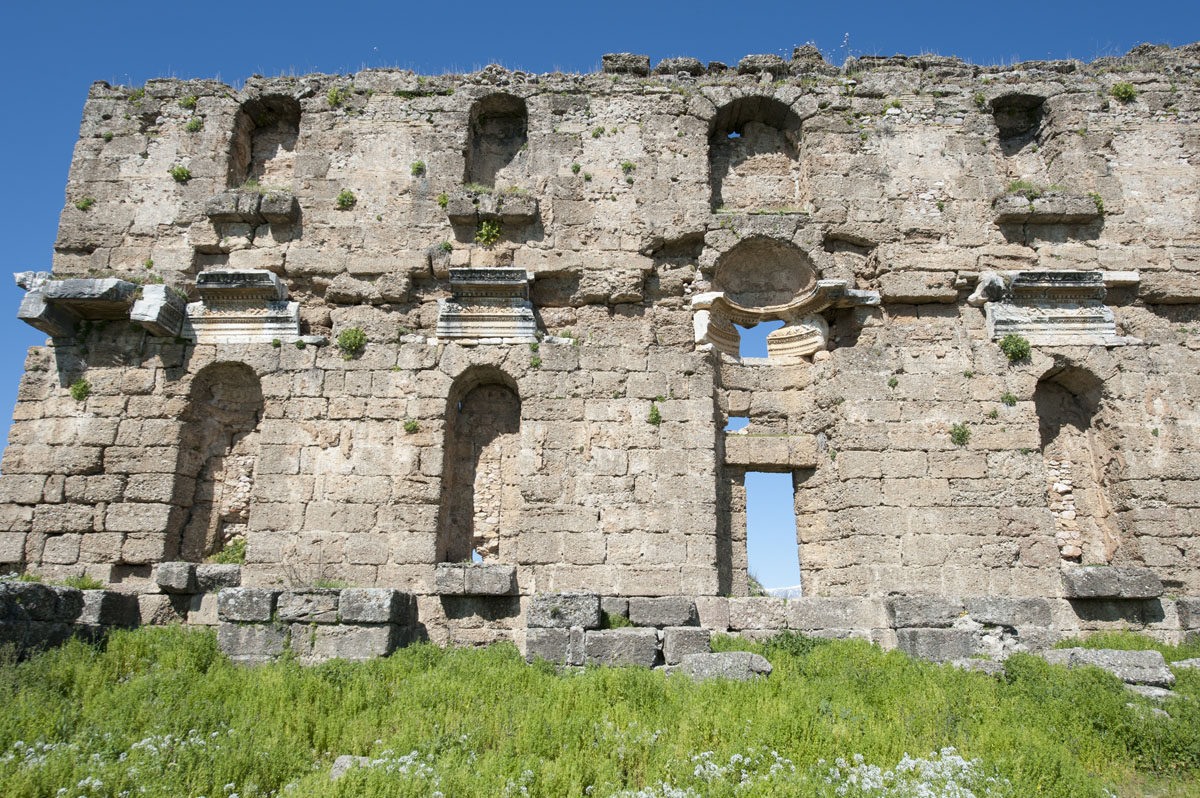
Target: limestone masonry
[{"x": 468, "y": 344}]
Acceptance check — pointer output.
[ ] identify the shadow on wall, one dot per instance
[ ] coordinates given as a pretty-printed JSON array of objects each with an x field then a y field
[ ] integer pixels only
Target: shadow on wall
[
  {"x": 753, "y": 152},
  {"x": 480, "y": 505},
  {"x": 263, "y": 146},
  {"x": 217, "y": 453},
  {"x": 497, "y": 134}
]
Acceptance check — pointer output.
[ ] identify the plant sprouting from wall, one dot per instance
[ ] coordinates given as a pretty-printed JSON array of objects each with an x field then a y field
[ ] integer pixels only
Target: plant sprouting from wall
[
  {"x": 80, "y": 389},
  {"x": 352, "y": 341},
  {"x": 960, "y": 434},
  {"x": 1015, "y": 347},
  {"x": 181, "y": 174},
  {"x": 655, "y": 416},
  {"x": 417, "y": 169},
  {"x": 345, "y": 200},
  {"x": 487, "y": 234}
]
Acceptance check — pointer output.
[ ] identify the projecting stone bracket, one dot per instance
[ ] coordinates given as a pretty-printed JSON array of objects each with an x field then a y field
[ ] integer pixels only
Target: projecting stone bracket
[
  {"x": 488, "y": 305},
  {"x": 160, "y": 311},
  {"x": 1052, "y": 208},
  {"x": 505, "y": 207},
  {"x": 54, "y": 306},
  {"x": 241, "y": 306},
  {"x": 1052, "y": 308},
  {"x": 1111, "y": 582},
  {"x": 253, "y": 207},
  {"x": 474, "y": 579}
]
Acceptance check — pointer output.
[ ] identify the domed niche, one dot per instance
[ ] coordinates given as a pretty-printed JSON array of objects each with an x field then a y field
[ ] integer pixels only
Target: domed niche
[{"x": 764, "y": 273}]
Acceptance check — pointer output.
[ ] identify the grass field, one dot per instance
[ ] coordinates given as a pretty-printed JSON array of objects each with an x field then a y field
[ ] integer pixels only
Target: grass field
[{"x": 160, "y": 712}]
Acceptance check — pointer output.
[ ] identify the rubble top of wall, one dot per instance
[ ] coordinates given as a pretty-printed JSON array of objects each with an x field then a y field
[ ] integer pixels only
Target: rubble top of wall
[{"x": 620, "y": 69}]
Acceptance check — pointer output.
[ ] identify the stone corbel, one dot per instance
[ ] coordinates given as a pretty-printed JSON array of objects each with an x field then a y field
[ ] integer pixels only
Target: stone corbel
[{"x": 54, "y": 306}]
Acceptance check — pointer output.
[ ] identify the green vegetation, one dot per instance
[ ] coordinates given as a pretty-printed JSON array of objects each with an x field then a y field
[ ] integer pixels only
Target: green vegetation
[
  {"x": 189, "y": 102},
  {"x": 300, "y": 343},
  {"x": 234, "y": 552},
  {"x": 345, "y": 200},
  {"x": 446, "y": 247},
  {"x": 575, "y": 168},
  {"x": 1123, "y": 92},
  {"x": 443, "y": 200},
  {"x": 597, "y": 132},
  {"x": 85, "y": 203},
  {"x": 655, "y": 416},
  {"x": 194, "y": 125},
  {"x": 960, "y": 434},
  {"x": 1015, "y": 347},
  {"x": 893, "y": 382},
  {"x": 108, "y": 136},
  {"x": 979, "y": 99},
  {"x": 535, "y": 362},
  {"x": 487, "y": 234},
  {"x": 181, "y": 174},
  {"x": 411, "y": 425},
  {"x": 417, "y": 169},
  {"x": 331, "y": 584},
  {"x": 275, "y": 342},
  {"x": 628, "y": 166},
  {"x": 337, "y": 95},
  {"x": 352, "y": 341},
  {"x": 1025, "y": 189},
  {"x": 1008, "y": 398},
  {"x": 83, "y": 582},
  {"x": 161, "y": 709},
  {"x": 1096, "y": 198},
  {"x": 609, "y": 621},
  {"x": 80, "y": 389}
]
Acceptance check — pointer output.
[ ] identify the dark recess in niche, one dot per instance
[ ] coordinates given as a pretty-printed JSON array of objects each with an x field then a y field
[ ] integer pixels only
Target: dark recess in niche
[
  {"x": 264, "y": 141},
  {"x": 1018, "y": 119},
  {"x": 497, "y": 132},
  {"x": 753, "y": 151}
]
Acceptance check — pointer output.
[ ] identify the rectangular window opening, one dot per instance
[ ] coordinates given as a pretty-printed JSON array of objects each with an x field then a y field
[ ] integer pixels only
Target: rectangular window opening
[
  {"x": 772, "y": 553},
  {"x": 736, "y": 423}
]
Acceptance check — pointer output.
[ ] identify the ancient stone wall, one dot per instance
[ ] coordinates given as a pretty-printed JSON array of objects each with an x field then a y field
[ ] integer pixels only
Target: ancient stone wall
[{"x": 550, "y": 272}]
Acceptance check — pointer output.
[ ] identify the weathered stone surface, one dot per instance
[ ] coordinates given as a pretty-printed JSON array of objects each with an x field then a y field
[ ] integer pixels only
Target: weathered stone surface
[
  {"x": 812, "y": 613},
  {"x": 354, "y": 642},
  {"x": 109, "y": 608},
  {"x": 345, "y": 763},
  {"x": 1186, "y": 663},
  {"x": 741, "y": 666},
  {"x": 308, "y": 606},
  {"x": 159, "y": 310},
  {"x": 767, "y": 62},
  {"x": 625, "y": 63},
  {"x": 757, "y": 613},
  {"x": 213, "y": 576},
  {"x": 563, "y": 610},
  {"x": 1111, "y": 581},
  {"x": 251, "y": 644},
  {"x": 247, "y": 604},
  {"x": 279, "y": 207},
  {"x": 936, "y": 645},
  {"x": 621, "y": 647},
  {"x": 1047, "y": 209},
  {"x": 377, "y": 605},
  {"x": 986, "y": 666},
  {"x": 674, "y": 66},
  {"x": 491, "y": 579},
  {"x": 1001, "y": 611},
  {"x": 663, "y": 611},
  {"x": 1133, "y": 667},
  {"x": 679, "y": 642},
  {"x": 924, "y": 611},
  {"x": 176, "y": 577},
  {"x": 560, "y": 646},
  {"x": 1189, "y": 612}
]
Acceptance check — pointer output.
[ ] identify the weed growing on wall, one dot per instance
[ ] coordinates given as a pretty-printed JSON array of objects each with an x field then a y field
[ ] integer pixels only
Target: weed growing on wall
[
  {"x": 1015, "y": 347},
  {"x": 352, "y": 341},
  {"x": 80, "y": 390},
  {"x": 345, "y": 200}
]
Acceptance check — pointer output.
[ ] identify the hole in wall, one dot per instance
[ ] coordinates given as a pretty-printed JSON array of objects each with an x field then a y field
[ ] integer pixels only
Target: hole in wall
[
  {"x": 498, "y": 133},
  {"x": 263, "y": 146},
  {"x": 754, "y": 153},
  {"x": 736, "y": 423},
  {"x": 772, "y": 553},
  {"x": 754, "y": 339}
]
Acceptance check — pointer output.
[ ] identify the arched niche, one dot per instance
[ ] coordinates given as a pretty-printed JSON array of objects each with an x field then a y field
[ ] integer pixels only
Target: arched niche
[
  {"x": 218, "y": 452},
  {"x": 1077, "y": 460},
  {"x": 753, "y": 154},
  {"x": 263, "y": 147},
  {"x": 762, "y": 273},
  {"x": 480, "y": 503},
  {"x": 497, "y": 133},
  {"x": 1018, "y": 119}
]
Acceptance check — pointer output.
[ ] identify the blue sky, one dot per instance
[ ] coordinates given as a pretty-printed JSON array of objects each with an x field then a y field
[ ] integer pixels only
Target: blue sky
[{"x": 52, "y": 52}]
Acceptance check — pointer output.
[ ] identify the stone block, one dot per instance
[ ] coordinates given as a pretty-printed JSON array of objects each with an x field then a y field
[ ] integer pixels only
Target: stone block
[
  {"x": 214, "y": 576},
  {"x": 918, "y": 287},
  {"x": 680, "y": 641},
  {"x": 202, "y": 610},
  {"x": 1111, "y": 581},
  {"x": 765, "y": 62},
  {"x": 491, "y": 579},
  {"x": 923, "y": 611},
  {"x": 109, "y": 608},
  {"x": 449, "y": 579},
  {"x": 563, "y": 610},
  {"x": 1000, "y": 611},
  {"x": 160, "y": 609},
  {"x": 985, "y": 666},
  {"x": 741, "y": 666},
  {"x": 51, "y": 319},
  {"x": 1189, "y": 613},
  {"x": 251, "y": 644},
  {"x": 377, "y": 605},
  {"x": 176, "y": 577},
  {"x": 936, "y": 645},
  {"x": 1132, "y": 667},
  {"x": 615, "y": 606},
  {"x": 159, "y": 310},
  {"x": 247, "y": 604},
  {"x": 625, "y": 64},
  {"x": 560, "y": 646},
  {"x": 663, "y": 611},
  {"x": 36, "y": 601},
  {"x": 674, "y": 66},
  {"x": 317, "y": 605},
  {"x": 815, "y": 613},
  {"x": 91, "y": 298},
  {"x": 1052, "y": 208},
  {"x": 279, "y": 207},
  {"x": 223, "y": 207},
  {"x": 356, "y": 643},
  {"x": 757, "y": 613},
  {"x": 713, "y": 612},
  {"x": 621, "y": 646}
]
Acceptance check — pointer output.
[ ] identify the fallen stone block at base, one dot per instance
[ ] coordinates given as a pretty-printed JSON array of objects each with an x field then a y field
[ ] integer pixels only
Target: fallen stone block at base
[
  {"x": 679, "y": 642},
  {"x": 560, "y": 646},
  {"x": 740, "y": 666},
  {"x": 1132, "y": 667}
]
